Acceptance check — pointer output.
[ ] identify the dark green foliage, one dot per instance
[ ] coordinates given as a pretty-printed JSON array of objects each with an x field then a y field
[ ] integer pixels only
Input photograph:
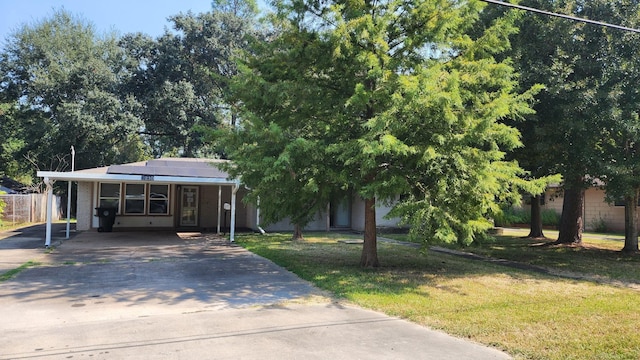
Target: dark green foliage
[
  {"x": 587, "y": 111},
  {"x": 393, "y": 98},
  {"x": 116, "y": 100},
  {"x": 181, "y": 78},
  {"x": 63, "y": 80},
  {"x": 511, "y": 216}
]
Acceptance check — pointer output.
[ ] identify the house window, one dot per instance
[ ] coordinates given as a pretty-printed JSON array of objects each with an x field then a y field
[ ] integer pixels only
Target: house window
[
  {"x": 622, "y": 202},
  {"x": 135, "y": 198},
  {"x": 158, "y": 199},
  {"x": 139, "y": 199},
  {"x": 109, "y": 195}
]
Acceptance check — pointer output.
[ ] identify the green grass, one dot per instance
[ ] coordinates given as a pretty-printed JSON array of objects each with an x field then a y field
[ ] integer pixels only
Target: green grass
[
  {"x": 6, "y": 226},
  {"x": 528, "y": 315},
  {"x": 8, "y": 275},
  {"x": 599, "y": 255}
]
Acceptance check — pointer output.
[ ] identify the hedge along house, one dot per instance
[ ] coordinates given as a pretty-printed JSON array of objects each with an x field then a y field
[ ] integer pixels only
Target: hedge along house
[{"x": 183, "y": 194}]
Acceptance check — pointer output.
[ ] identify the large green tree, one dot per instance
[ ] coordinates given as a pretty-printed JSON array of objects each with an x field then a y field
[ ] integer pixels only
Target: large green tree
[
  {"x": 406, "y": 102},
  {"x": 528, "y": 42},
  {"x": 586, "y": 71},
  {"x": 279, "y": 148},
  {"x": 65, "y": 74},
  {"x": 620, "y": 155},
  {"x": 181, "y": 78},
  {"x": 11, "y": 131}
]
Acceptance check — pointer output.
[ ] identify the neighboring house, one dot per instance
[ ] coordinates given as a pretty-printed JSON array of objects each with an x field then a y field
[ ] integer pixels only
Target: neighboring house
[
  {"x": 11, "y": 186},
  {"x": 598, "y": 214},
  {"x": 6, "y": 190},
  {"x": 184, "y": 194}
]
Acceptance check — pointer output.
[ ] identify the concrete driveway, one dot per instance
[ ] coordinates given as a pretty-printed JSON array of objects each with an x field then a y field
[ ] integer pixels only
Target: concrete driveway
[{"x": 192, "y": 296}]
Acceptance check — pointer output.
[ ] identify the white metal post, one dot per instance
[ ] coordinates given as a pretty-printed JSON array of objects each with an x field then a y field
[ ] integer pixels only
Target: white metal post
[
  {"x": 49, "y": 183},
  {"x": 232, "y": 230},
  {"x": 219, "y": 206},
  {"x": 73, "y": 160}
]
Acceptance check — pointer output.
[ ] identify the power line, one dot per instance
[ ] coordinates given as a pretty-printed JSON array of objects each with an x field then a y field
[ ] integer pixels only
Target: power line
[{"x": 574, "y": 18}]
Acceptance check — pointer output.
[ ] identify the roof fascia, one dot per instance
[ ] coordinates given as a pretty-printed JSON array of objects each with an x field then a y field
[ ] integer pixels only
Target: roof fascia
[{"x": 73, "y": 176}]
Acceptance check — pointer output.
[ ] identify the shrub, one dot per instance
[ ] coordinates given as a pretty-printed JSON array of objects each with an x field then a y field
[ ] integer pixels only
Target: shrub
[
  {"x": 550, "y": 217},
  {"x": 511, "y": 216},
  {"x": 599, "y": 225}
]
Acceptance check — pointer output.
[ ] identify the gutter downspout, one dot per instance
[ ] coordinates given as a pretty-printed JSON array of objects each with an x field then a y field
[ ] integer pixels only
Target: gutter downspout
[
  {"x": 49, "y": 183},
  {"x": 232, "y": 230}
]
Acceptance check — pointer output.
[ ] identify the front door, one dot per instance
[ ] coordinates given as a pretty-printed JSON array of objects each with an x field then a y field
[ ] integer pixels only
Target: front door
[
  {"x": 189, "y": 206},
  {"x": 341, "y": 213}
]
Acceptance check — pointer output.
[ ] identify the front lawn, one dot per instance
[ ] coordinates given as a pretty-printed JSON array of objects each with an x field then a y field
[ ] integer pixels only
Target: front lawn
[
  {"x": 528, "y": 315},
  {"x": 599, "y": 256}
]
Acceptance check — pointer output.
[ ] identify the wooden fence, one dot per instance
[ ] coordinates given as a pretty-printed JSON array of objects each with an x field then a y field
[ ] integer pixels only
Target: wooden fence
[{"x": 28, "y": 208}]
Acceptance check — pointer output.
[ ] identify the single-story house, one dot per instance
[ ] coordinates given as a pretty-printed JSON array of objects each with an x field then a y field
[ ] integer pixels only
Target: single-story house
[
  {"x": 6, "y": 190},
  {"x": 184, "y": 194},
  {"x": 10, "y": 186},
  {"x": 598, "y": 215}
]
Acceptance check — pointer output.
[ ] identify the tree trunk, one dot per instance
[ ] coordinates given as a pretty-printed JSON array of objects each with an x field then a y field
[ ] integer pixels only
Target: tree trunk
[
  {"x": 536, "y": 218},
  {"x": 369, "y": 256},
  {"x": 631, "y": 223},
  {"x": 572, "y": 218},
  {"x": 297, "y": 233},
  {"x": 234, "y": 119}
]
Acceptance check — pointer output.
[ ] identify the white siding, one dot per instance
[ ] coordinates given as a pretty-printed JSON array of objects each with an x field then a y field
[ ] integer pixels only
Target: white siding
[{"x": 596, "y": 209}]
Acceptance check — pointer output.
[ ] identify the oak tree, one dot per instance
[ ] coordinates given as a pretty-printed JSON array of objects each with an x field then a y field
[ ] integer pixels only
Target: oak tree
[{"x": 68, "y": 76}]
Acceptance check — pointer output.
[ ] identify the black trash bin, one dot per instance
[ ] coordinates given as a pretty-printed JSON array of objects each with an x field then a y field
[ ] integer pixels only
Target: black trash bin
[{"x": 107, "y": 217}]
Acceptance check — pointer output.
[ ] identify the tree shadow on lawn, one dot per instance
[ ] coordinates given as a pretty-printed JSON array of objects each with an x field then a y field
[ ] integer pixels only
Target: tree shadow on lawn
[
  {"x": 404, "y": 270},
  {"x": 335, "y": 266},
  {"x": 582, "y": 261},
  {"x": 517, "y": 248}
]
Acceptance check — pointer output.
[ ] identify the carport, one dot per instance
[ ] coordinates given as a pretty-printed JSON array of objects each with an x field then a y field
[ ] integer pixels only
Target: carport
[{"x": 162, "y": 194}]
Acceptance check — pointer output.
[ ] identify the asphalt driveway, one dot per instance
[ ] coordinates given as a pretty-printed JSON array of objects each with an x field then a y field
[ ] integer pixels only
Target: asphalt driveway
[{"x": 187, "y": 296}]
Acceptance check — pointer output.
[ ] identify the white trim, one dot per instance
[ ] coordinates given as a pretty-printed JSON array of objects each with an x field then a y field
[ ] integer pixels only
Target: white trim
[
  {"x": 80, "y": 176},
  {"x": 68, "y": 176},
  {"x": 219, "y": 207}
]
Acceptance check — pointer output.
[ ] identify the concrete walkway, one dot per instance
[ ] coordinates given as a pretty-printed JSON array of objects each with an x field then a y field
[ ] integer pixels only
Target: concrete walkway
[{"x": 163, "y": 296}]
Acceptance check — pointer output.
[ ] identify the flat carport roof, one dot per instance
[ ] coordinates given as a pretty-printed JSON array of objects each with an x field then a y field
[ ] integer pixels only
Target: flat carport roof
[{"x": 164, "y": 170}]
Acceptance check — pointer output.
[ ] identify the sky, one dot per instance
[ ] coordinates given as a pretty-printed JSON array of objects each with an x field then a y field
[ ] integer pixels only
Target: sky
[{"x": 123, "y": 16}]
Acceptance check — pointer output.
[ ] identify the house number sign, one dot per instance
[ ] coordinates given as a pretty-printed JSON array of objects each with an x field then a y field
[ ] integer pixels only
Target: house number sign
[{"x": 147, "y": 177}]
